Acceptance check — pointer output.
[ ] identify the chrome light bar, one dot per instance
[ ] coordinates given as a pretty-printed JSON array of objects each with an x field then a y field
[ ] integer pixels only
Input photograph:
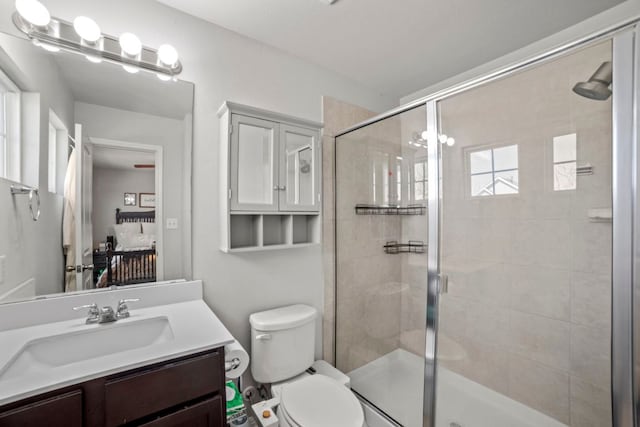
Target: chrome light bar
[{"x": 60, "y": 34}]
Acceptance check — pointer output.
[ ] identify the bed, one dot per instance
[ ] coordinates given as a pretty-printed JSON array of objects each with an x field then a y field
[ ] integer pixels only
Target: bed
[{"x": 131, "y": 256}]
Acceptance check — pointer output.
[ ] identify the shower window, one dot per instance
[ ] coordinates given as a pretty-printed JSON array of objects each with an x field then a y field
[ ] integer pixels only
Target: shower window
[
  {"x": 564, "y": 162},
  {"x": 399, "y": 179},
  {"x": 420, "y": 180},
  {"x": 494, "y": 171}
]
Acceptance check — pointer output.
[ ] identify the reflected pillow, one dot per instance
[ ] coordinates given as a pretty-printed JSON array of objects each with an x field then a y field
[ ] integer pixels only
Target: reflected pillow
[
  {"x": 149, "y": 228},
  {"x": 137, "y": 241},
  {"x": 123, "y": 232}
]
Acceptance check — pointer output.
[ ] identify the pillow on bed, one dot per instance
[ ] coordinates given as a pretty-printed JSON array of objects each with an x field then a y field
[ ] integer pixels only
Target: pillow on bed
[
  {"x": 137, "y": 241},
  {"x": 124, "y": 232},
  {"x": 149, "y": 228}
]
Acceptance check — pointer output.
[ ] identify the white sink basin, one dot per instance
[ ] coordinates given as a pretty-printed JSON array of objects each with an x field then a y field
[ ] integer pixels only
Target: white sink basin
[{"x": 54, "y": 351}]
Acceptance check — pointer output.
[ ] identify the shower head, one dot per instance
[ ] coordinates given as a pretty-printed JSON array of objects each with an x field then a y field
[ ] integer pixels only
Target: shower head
[{"x": 598, "y": 85}]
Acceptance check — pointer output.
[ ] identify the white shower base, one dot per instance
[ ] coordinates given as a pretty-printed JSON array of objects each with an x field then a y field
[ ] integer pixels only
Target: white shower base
[{"x": 394, "y": 383}]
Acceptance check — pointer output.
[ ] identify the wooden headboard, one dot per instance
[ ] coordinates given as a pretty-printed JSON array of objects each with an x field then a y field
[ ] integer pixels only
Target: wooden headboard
[{"x": 142, "y": 216}]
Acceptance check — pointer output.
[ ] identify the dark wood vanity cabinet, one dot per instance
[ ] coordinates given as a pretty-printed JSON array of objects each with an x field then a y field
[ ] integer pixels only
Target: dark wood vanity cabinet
[{"x": 188, "y": 391}]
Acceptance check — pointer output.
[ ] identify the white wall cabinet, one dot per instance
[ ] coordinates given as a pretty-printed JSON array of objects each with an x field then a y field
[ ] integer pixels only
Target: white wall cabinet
[{"x": 270, "y": 175}]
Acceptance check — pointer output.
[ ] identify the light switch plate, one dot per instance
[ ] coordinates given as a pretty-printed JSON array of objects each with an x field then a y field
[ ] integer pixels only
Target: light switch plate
[{"x": 172, "y": 223}]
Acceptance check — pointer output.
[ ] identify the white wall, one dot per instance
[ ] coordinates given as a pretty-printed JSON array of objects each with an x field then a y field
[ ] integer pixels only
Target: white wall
[
  {"x": 109, "y": 186},
  {"x": 226, "y": 66},
  {"x": 610, "y": 18},
  {"x": 34, "y": 249}
]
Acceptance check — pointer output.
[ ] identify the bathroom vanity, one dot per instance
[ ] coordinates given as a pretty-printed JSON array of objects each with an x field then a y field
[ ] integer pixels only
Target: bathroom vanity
[
  {"x": 182, "y": 391},
  {"x": 163, "y": 365}
]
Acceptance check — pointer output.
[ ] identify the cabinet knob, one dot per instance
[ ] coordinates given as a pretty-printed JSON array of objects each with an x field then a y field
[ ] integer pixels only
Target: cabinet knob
[{"x": 276, "y": 188}]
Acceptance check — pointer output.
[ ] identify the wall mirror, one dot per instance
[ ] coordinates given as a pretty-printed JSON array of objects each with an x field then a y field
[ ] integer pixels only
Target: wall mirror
[{"x": 109, "y": 152}]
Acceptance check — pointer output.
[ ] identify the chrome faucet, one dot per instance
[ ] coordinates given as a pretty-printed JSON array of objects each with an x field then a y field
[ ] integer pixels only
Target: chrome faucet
[
  {"x": 123, "y": 309},
  {"x": 106, "y": 314}
]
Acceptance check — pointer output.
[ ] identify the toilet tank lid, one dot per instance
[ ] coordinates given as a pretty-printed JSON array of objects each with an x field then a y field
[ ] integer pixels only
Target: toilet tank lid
[{"x": 283, "y": 318}]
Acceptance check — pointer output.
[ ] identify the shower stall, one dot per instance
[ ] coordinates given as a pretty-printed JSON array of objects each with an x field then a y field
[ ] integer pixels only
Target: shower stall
[{"x": 483, "y": 253}]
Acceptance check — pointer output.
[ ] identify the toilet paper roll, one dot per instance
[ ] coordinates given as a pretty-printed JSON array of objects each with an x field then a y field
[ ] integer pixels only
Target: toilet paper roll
[{"x": 236, "y": 360}]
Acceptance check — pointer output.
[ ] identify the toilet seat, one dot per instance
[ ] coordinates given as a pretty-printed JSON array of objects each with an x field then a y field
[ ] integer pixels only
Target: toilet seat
[{"x": 319, "y": 401}]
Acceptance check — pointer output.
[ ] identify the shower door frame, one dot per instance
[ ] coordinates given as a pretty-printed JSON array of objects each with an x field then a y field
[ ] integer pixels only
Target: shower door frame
[{"x": 625, "y": 351}]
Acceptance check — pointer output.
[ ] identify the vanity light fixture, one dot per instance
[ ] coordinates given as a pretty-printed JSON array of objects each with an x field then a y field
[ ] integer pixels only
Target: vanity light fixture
[
  {"x": 420, "y": 139},
  {"x": 130, "y": 44},
  {"x": 167, "y": 55},
  {"x": 94, "y": 59},
  {"x": 87, "y": 29},
  {"x": 84, "y": 37},
  {"x": 33, "y": 12},
  {"x": 46, "y": 46}
]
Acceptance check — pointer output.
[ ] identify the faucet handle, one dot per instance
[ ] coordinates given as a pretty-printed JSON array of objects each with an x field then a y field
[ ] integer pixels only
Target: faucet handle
[
  {"x": 93, "y": 313},
  {"x": 123, "y": 309}
]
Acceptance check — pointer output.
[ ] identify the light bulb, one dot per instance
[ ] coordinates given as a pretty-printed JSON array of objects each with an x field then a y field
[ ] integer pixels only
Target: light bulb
[
  {"x": 424, "y": 135},
  {"x": 442, "y": 138},
  {"x": 131, "y": 69},
  {"x": 87, "y": 29},
  {"x": 33, "y": 12},
  {"x": 49, "y": 48},
  {"x": 450, "y": 141},
  {"x": 163, "y": 77},
  {"x": 168, "y": 55},
  {"x": 130, "y": 44},
  {"x": 94, "y": 59}
]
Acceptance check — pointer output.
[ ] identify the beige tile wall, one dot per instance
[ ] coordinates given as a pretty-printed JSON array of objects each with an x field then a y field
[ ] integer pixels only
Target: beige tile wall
[
  {"x": 379, "y": 295},
  {"x": 337, "y": 116},
  {"x": 529, "y": 275}
]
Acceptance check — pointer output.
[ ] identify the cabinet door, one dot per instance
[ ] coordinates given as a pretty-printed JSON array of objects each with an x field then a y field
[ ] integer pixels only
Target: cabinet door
[
  {"x": 208, "y": 413},
  {"x": 140, "y": 394},
  {"x": 299, "y": 169},
  {"x": 59, "y": 411},
  {"x": 254, "y": 164}
]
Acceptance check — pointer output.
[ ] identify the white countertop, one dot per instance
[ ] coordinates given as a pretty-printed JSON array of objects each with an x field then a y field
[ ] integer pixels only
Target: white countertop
[{"x": 194, "y": 326}]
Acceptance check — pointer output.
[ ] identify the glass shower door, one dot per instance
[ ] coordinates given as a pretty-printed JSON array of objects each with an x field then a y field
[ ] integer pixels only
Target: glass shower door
[
  {"x": 381, "y": 263},
  {"x": 526, "y": 241}
]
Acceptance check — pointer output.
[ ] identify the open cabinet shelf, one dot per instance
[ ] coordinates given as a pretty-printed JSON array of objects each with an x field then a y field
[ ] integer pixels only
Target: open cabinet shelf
[{"x": 258, "y": 232}]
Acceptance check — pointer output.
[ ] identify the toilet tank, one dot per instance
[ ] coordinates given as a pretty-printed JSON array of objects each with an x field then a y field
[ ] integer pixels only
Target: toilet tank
[{"x": 282, "y": 342}]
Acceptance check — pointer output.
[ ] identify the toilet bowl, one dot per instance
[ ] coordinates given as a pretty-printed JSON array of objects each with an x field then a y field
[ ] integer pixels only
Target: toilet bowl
[
  {"x": 282, "y": 350},
  {"x": 319, "y": 401}
]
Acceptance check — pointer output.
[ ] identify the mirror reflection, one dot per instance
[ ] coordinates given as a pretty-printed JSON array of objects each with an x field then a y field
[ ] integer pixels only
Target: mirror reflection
[{"x": 109, "y": 153}]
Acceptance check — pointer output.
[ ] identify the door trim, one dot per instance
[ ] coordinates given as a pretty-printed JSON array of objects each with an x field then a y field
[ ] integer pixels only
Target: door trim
[{"x": 159, "y": 173}]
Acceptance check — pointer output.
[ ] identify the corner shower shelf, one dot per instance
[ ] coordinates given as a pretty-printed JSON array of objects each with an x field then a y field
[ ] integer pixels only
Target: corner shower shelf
[
  {"x": 413, "y": 247},
  {"x": 362, "y": 209}
]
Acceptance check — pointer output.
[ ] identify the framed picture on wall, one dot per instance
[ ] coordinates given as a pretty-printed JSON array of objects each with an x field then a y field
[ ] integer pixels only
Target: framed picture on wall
[
  {"x": 129, "y": 199},
  {"x": 147, "y": 200}
]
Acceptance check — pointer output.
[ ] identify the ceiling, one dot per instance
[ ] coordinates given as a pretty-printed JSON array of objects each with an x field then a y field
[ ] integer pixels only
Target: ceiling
[
  {"x": 117, "y": 158},
  {"x": 395, "y": 46}
]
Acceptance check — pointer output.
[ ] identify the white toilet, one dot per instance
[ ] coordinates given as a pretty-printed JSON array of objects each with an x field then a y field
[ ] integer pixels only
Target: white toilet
[{"x": 282, "y": 350}]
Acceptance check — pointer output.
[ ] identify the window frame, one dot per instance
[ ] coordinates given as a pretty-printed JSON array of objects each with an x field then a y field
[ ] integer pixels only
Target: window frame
[
  {"x": 425, "y": 179},
  {"x": 564, "y": 162},
  {"x": 493, "y": 172},
  {"x": 10, "y": 129}
]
